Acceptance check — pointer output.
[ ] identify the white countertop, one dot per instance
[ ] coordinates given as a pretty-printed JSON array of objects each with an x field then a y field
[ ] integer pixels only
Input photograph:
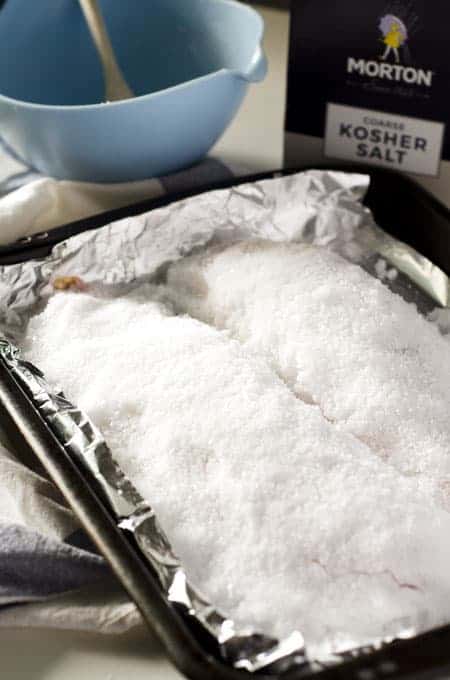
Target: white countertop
[{"x": 254, "y": 140}]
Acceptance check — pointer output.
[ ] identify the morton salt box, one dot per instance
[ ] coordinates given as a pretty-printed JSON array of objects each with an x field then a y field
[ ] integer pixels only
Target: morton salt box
[{"x": 369, "y": 82}]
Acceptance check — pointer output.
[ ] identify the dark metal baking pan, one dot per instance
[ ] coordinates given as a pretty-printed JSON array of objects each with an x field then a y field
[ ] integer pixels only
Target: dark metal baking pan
[{"x": 401, "y": 208}]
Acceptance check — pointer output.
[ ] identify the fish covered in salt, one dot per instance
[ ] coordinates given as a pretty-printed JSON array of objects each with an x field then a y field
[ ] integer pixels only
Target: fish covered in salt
[{"x": 285, "y": 518}]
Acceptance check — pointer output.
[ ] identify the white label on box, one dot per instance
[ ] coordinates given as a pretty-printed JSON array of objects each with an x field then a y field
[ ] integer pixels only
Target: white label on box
[{"x": 386, "y": 139}]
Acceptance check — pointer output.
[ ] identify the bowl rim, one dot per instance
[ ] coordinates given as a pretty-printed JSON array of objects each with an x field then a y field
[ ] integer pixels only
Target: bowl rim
[{"x": 255, "y": 71}]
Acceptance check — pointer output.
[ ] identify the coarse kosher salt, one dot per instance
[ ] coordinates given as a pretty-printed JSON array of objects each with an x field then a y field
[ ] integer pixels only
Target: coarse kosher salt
[
  {"x": 282, "y": 518},
  {"x": 340, "y": 339}
]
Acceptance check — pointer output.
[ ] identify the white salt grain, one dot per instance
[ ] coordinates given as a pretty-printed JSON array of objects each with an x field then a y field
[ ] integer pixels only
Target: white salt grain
[
  {"x": 380, "y": 268},
  {"x": 284, "y": 521},
  {"x": 392, "y": 274},
  {"x": 383, "y": 272}
]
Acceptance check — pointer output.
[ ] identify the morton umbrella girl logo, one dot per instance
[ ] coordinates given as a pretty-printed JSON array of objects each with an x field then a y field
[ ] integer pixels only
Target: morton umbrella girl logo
[
  {"x": 397, "y": 25},
  {"x": 395, "y": 34}
]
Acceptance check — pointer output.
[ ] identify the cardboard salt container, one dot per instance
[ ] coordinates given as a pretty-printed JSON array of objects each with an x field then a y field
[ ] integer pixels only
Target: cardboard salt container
[{"x": 368, "y": 82}]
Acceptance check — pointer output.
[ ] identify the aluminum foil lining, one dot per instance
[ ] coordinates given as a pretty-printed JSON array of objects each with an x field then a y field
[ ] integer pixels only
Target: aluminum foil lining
[{"x": 317, "y": 207}]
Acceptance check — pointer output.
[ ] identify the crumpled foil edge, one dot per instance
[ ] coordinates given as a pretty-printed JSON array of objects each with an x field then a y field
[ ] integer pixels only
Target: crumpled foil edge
[{"x": 424, "y": 274}]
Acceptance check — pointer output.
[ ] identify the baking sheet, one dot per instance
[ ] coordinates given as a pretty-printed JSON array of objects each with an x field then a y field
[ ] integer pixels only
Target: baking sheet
[{"x": 317, "y": 207}]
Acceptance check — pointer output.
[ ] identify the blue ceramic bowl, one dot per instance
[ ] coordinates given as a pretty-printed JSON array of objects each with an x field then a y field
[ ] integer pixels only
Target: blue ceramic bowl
[{"x": 189, "y": 63}]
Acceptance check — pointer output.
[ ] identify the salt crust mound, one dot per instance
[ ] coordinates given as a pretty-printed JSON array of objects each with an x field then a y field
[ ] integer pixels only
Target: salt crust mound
[
  {"x": 284, "y": 519},
  {"x": 340, "y": 339}
]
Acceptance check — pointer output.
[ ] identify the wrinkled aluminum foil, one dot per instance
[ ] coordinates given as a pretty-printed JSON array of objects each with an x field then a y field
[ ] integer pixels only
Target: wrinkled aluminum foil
[{"x": 317, "y": 207}]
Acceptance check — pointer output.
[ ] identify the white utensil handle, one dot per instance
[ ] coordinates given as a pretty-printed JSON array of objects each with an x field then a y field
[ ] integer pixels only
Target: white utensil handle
[{"x": 116, "y": 87}]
